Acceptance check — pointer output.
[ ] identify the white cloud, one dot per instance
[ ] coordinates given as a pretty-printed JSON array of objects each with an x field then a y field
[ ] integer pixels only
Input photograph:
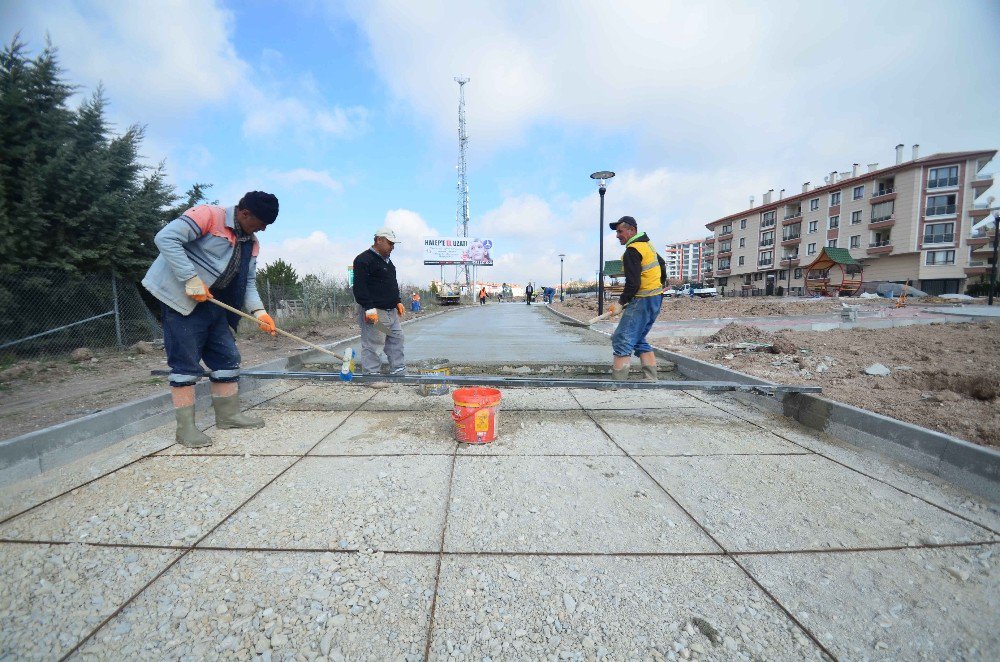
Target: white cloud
[
  {"x": 523, "y": 215},
  {"x": 299, "y": 176}
]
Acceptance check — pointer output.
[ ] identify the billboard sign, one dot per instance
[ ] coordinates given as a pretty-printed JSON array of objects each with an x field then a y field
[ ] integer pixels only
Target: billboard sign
[{"x": 458, "y": 250}]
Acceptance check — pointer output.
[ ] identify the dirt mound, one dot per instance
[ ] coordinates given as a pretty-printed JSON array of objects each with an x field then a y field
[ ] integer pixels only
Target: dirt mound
[
  {"x": 979, "y": 386},
  {"x": 734, "y": 332}
]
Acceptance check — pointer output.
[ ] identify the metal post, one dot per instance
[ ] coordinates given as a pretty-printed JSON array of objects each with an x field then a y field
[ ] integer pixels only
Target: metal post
[
  {"x": 118, "y": 317},
  {"x": 993, "y": 267},
  {"x": 788, "y": 290},
  {"x": 600, "y": 271},
  {"x": 270, "y": 302},
  {"x": 561, "y": 278}
]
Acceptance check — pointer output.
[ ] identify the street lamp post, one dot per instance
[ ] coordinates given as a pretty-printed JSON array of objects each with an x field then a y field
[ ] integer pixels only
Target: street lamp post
[
  {"x": 601, "y": 176},
  {"x": 561, "y": 256},
  {"x": 993, "y": 267}
]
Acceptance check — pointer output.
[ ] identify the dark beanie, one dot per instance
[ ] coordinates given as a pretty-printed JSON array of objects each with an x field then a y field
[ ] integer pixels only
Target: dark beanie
[{"x": 262, "y": 205}]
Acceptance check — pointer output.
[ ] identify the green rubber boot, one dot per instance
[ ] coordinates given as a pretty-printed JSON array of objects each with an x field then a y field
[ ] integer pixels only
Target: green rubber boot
[
  {"x": 620, "y": 374},
  {"x": 228, "y": 415},
  {"x": 649, "y": 373},
  {"x": 188, "y": 434}
]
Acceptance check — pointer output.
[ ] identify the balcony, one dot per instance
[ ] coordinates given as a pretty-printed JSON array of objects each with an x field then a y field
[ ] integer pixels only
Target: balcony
[
  {"x": 722, "y": 272},
  {"x": 940, "y": 210},
  {"x": 793, "y": 216},
  {"x": 724, "y": 252},
  {"x": 982, "y": 180},
  {"x": 708, "y": 255},
  {"x": 880, "y": 247},
  {"x": 767, "y": 223},
  {"x": 879, "y": 222},
  {"x": 945, "y": 238},
  {"x": 725, "y": 232},
  {"x": 767, "y": 242},
  {"x": 980, "y": 237},
  {"x": 978, "y": 268},
  {"x": 882, "y": 192},
  {"x": 765, "y": 263},
  {"x": 710, "y": 240},
  {"x": 791, "y": 240},
  {"x": 790, "y": 261},
  {"x": 980, "y": 210}
]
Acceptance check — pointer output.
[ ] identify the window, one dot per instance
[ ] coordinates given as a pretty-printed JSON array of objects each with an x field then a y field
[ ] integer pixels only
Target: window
[
  {"x": 758, "y": 276},
  {"x": 855, "y": 217},
  {"x": 835, "y": 199},
  {"x": 834, "y": 222},
  {"x": 940, "y": 257},
  {"x": 743, "y": 242},
  {"x": 740, "y": 261},
  {"x": 743, "y": 224},
  {"x": 813, "y": 225},
  {"x": 725, "y": 246},
  {"x": 797, "y": 273},
  {"x": 766, "y": 258},
  {"x": 856, "y": 241},
  {"x": 726, "y": 229},
  {"x": 883, "y": 211},
  {"x": 831, "y": 243},
  {"x": 811, "y": 249},
  {"x": 724, "y": 263},
  {"x": 859, "y": 192},
  {"x": 881, "y": 239},
  {"x": 939, "y": 177},
  {"x": 767, "y": 219},
  {"x": 939, "y": 233},
  {"x": 814, "y": 204},
  {"x": 783, "y": 274},
  {"x": 940, "y": 205},
  {"x": 767, "y": 238}
]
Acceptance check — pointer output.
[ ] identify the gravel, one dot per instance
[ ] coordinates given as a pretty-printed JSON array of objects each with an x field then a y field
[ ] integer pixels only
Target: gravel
[
  {"x": 159, "y": 500},
  {"x": 898, "y": 605},
  {"x": 585, "y": 608},
  {"x": 544, "y": 433},
  {"x": 284, "y": 433},
  {"x": 54, "y": 595},
  {"x": 389, "y": 503},
  {"x": 801, "y": 502},
  {"x": 383, "y": 433},
  {"x": 224, "y": 605},
  {"x": 596, "y": 504}
]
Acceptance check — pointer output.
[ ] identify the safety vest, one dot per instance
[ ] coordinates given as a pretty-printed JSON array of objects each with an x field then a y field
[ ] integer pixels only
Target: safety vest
[{"x": 649, "y": 281}]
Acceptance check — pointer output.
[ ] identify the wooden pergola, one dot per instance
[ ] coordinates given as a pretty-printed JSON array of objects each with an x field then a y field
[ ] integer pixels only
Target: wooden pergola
[{"x": 834, "y": 271}]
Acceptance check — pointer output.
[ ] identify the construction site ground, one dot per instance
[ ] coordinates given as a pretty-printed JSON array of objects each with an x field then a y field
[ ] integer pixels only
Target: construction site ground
[
  {"x": 617, "y": 525},
  {"x": 944, "y": 369}
]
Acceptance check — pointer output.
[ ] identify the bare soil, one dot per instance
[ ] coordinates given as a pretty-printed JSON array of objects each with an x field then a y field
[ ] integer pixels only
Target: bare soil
[
  {"x": 944, "y": 376},
  {"x": 36, "y": 394}
]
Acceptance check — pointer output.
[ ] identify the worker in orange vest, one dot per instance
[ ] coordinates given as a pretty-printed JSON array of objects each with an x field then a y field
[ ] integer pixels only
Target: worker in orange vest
[
  {"x": 482, "y": 297},
  {"x": 415, "y": 303}
]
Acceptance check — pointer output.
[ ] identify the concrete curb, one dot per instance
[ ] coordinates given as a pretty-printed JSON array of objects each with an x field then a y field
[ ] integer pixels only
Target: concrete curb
[
  {"x": 41, "y": 450},
  {"x": 970, "y": 466}
]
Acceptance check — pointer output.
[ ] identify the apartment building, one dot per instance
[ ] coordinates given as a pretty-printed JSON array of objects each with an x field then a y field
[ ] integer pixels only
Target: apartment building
[
  {"x": 684, "y": 260},
  {"x": 912, "y": 221}
]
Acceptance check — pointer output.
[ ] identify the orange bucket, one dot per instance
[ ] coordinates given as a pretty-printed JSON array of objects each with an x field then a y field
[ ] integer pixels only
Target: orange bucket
[{"x": 475, "y": 414}]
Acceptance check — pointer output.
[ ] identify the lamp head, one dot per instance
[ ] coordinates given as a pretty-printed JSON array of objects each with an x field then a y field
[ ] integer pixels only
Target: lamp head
[{"x": 602, "y": 176}]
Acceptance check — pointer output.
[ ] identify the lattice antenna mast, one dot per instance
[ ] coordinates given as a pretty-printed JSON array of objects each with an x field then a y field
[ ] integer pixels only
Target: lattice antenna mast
[{"x": 462, "y": 213}]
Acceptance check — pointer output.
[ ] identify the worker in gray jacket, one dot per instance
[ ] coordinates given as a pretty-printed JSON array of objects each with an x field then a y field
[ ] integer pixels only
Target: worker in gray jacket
[{"x": 209, "y": 252}]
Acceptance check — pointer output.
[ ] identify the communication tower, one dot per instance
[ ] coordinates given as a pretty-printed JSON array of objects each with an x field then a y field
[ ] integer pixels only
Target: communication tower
[{"x": 462, "y": 214}]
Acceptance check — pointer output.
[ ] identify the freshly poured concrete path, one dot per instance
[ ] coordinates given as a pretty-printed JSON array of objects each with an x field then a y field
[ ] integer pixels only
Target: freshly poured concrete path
[
  {"x": 498, "y": 334},
  {"x": 599, "y": 525}
]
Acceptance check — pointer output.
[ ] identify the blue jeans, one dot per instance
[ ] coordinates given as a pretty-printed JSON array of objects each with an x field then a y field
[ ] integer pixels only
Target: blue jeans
[
  {"x": 203, "y": 335},
  {"x": 637, "y": 319}
]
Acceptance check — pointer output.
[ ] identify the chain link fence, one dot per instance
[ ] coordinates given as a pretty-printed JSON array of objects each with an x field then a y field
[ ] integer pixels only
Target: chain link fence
[{"x": 55, "y": 312}]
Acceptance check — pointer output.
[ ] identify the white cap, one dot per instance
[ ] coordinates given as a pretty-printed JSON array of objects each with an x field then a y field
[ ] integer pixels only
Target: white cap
[{"x": 387, "y": 233}]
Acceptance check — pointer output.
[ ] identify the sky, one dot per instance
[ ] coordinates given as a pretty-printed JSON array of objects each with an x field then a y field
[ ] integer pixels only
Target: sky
[{"x": 348, "y": 110}]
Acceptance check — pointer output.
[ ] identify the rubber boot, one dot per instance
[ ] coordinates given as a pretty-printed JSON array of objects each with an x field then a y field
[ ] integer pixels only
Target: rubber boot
[
  {"x": 229, "y": 417},
  {"x": 620, "y": 374},
  {"x": 188, "y": 435},
  {"x": 649, "y": 373}
]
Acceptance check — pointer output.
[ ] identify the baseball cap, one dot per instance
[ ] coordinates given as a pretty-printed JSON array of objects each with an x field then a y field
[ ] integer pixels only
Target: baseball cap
[
  {"x": 627, "y": 220},
  {"x": 387, "y": 233}
]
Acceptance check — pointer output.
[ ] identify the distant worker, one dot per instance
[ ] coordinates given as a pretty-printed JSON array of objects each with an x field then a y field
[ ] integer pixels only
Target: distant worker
[
  {"x": 550, "y": 293},
  {"x": 376, "y": 292},
  {"x": 482, "y": 297},
  {"x": 415, "y": 302},
  {"x": 528, "y": 292},
  {"x": 639, "y": 303},
  {"x": 210, "y": 252}
]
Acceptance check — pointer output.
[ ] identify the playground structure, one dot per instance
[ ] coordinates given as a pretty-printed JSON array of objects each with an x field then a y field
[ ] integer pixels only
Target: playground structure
[{"x": 834, "y": 272}]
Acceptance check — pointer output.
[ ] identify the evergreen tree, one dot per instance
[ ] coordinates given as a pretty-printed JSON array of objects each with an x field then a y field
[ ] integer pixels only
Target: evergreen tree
[
  {"x": 73, "y": 196},
  {"x": 282, "y": 278}
]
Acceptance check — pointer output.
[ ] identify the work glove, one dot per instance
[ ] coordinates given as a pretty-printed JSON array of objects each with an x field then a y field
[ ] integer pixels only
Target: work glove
[
  {"x": 400, "y": 309},
  {"x": 614, "y": 309},
  {"x": 266, "y": 323},
  {"x": 195, "y": 288},
  {"x": 371, "y": 316}
]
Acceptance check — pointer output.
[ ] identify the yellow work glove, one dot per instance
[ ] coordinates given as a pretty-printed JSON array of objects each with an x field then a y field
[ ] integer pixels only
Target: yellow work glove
[
  {"x": 266, "y": 323},
  {"x": 195, "y": 288},
  {"x": 371, "y": 316},
  {"x": 400, "y": 309}
]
